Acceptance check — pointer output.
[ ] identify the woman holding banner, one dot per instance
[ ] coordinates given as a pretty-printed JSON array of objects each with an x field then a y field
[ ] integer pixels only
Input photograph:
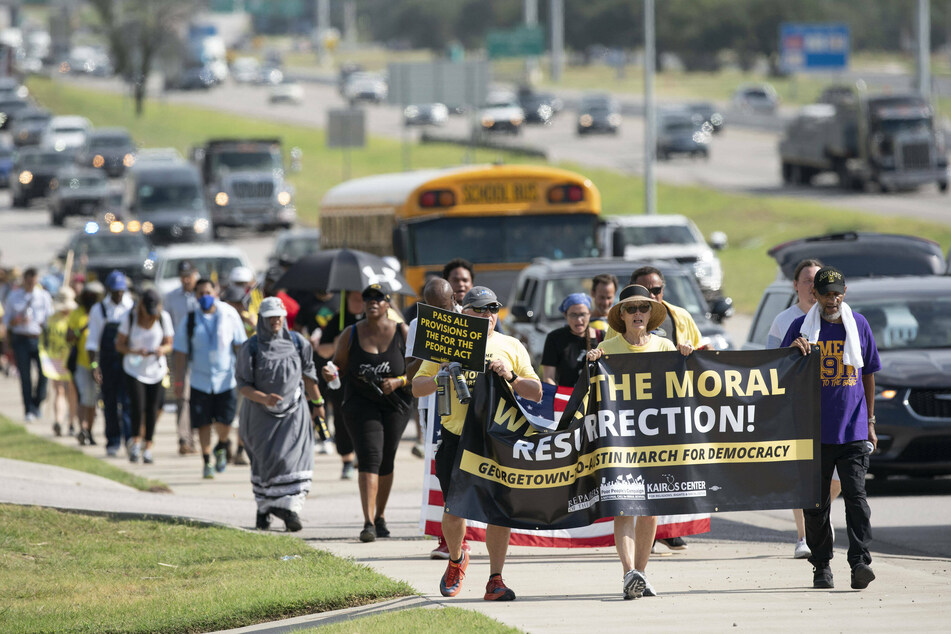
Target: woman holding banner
[
  {"x": 376, "y": 405},
  {"x": 634, "y": 316}
]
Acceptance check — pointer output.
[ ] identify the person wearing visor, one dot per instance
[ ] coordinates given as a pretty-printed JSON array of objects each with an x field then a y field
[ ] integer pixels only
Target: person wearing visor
[
  {"x": 376, "y": 406},
  {"x": 635, "y": 315},
  {"x": 206, "y": 342},
  {"x": 276, "y": 376},
  {"x": 507, "y": 357},
  {"x": 563, "y": 357},
  {"x": 144, "y": 338}
]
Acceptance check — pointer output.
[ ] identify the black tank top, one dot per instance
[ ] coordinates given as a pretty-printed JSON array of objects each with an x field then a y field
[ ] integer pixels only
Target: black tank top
[{"x": 387, "y": 364}]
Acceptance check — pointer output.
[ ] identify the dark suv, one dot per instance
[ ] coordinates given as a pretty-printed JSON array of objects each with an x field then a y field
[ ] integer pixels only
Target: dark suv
[{"x": 541, "y": 287}]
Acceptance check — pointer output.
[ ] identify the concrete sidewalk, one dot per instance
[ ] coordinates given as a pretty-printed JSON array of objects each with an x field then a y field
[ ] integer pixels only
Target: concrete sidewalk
[{"x": 740, "y": 575}]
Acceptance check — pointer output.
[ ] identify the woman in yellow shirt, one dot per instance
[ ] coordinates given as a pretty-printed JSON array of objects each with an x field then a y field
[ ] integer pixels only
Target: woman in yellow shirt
[{"x": 634, "y": 316}]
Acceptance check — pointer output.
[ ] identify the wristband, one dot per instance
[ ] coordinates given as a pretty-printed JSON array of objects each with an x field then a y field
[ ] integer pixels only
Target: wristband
[
  {"x": 318, "y": 402},
  {"x": 94, "y": 365},
  {"x": 871, "y": 420},
  {"x": 513, "y": 379},
  {"x": 402, "y": 379}
]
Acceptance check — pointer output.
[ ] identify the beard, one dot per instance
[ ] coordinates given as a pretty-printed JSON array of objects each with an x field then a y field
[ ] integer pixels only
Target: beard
[{"x": 832, "y": 317}]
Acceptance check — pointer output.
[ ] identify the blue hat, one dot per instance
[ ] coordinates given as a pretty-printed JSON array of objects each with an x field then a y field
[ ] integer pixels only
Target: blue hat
[
  {"x": 574, "y": 299},
  {"x": 115, "y": 281}
]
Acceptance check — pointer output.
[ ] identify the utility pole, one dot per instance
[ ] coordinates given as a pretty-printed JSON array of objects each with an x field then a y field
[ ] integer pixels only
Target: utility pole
[
  {"x": 924, "y": 49},
  {"x": 650, "y": 115},
  {"x": 557, "y": 39},
  {"x": 350, "y": 23},
  {"x": 531, "y": 20},
  {"x": 323, "y": 25}
]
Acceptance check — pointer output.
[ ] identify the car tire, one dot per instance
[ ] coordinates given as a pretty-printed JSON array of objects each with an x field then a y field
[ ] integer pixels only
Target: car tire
[
  {"x": 21, "y": 201},
  {"x": 943, "y": 187},
  {"x": 56, "y": 219}
]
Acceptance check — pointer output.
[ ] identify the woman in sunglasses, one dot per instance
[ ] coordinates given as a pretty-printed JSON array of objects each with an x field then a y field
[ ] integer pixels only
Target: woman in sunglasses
[{"x": 634, "y": 316}]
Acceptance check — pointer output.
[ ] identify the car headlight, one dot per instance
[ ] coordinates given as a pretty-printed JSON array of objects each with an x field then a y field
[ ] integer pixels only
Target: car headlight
[
  {"x": 26, "y": 177},
  {"x": 516, "y": 121},
  {"x": 128, "y": 160},
  {"x": 885, "y": 393},
  {"x": 98, "y": 161},
  {"x": 487, "y": 122},
  {"x": 585, "y": 120},
  {"x": 284, "y": 198},
  {"x": 200, "y": 225},
  {"x": 147, "y": 227},
  {"x": 614, "y": 119},
  {"x": 221, "y": 199}
]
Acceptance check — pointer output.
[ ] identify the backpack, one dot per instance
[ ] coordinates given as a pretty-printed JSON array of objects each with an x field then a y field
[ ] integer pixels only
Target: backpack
[{"x": 296, "y": 337}]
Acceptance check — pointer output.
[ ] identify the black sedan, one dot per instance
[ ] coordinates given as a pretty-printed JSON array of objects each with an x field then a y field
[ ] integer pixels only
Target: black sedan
[
  {"x": 108, "y": 149},
  {"x": 77, "y": 191},
  {"x": 33, "y": 169},
  {"x": 99, "y": 249}
]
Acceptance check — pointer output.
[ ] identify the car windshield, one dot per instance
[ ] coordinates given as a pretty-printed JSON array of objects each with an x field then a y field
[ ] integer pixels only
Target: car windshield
[
  {"x": 113, "y": 244},
  {"x": 503, "y": 239},
  {"x": 98, "y": 143},
  {"x": 170, "y": 196},
  {"x": 212, "y": 268},
  {"x": 661, "y": 234},
  {"x": 46, "y": 159},
  {"x": 69, "y": 130},
  {"x": 908, "y": 323},
  {"x": 32, "y": 118},
  {"x": 680, "y": 127},
  {"x": 264, "y": 160}
]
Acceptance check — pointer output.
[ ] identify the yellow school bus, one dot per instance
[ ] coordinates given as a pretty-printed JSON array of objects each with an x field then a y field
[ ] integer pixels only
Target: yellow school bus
[{"x": 499, "y": 217}]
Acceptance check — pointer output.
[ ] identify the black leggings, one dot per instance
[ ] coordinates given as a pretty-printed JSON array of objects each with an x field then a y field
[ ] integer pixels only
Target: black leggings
[
  {"x": 145, "y": 401},
  {"x": 341, "y": 435},
  {"x": 376, "y": 431}
]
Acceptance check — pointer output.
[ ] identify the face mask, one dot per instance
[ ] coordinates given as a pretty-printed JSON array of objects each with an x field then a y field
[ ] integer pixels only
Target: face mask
[{"x": 206, "y": 302}]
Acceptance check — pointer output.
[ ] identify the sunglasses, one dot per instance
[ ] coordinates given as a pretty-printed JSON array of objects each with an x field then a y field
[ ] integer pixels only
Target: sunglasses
[
  {"x": 375, "y": 298},
  {"x": 656, "y": 290},
  {"x": 631, "y": 309},
  {"x": 491, "y": 308}
]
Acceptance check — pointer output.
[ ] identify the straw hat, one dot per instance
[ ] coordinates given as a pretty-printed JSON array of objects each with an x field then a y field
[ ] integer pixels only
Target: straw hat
[
  {"x": 65, "y": 300},
  {"x": 635, "y": 293}
]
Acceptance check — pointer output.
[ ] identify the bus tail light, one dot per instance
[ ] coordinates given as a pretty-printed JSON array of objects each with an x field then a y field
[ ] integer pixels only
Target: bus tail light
[
  {"x": 566, "y": 194},
  {"x": 437, "y": 198}
]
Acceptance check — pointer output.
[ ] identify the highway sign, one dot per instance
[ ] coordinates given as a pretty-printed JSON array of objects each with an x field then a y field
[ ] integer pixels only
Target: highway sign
[
  {"x": 522, "y": 41},
  {"x": 805, "y": 47}
]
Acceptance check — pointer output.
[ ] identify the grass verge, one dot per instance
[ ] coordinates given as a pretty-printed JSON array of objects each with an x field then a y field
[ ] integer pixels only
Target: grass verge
[
  {"x": 17, "y": 443},
  {"x": 67, "y": 572},
  {"x": 753, "y": 223},
  {"x": 420, "y": 620}
]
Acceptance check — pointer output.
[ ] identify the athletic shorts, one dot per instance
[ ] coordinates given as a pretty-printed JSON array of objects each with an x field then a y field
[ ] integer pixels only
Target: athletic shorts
[
  {"x": 86, "y": 387},
  {"x": 205, "y": 409}
]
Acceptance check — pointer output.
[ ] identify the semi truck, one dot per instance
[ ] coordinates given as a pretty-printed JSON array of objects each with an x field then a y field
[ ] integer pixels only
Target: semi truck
[{"x": 888, "y": 141}]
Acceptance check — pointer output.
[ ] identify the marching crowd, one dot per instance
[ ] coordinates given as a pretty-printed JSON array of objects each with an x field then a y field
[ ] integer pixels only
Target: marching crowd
[{"x": 253, "y": 353}]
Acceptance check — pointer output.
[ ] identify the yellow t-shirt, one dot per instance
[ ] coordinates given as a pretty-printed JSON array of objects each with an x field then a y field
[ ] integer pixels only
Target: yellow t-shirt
[
  {"x": 78, "y": 320},
  {"x": 619, "y": 345},
  {"x": 498, "y": 346},
  {"x": 54, "y": 350}
]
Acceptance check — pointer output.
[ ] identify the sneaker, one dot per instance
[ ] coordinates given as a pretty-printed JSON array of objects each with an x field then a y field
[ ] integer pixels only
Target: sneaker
[
  {"x": 802, "y": 550},
  {"x": 184, "y": 449},
  {"x": 368, "y": 534},
  {"x": 57, "y": 429},
  {"x": 634, "y": 584},
  {"x": 496, "y": 590},
  {"x": 72, "y": 430},
  {"x": 135, "y": 451},
  {"x": 862, "y": 575},
  {"x": 240, "y": 460},
  {"x": 418, "y": 450},
  {"x": 381, "y": 530},
  {"x": 292, "y": 522},
  {"x": 442, "y": 550},
  {"x": 30, "y": 417},
  {"x": 672, "y": 543},
  {"x": 221, "y": 459},
  {"x": 112, "y": 452},
  {"x": 451, "y": 582},
  {"x": 347, "y": 472},
  {"x": 322, "y": 448},
  {"x": 89, "y": 439},
  {"x": 263, "y": 521},
  {"x": 649, "y": 589},
  {"x": 208, "y": 472},
  {"x": 81, "y": 437},
  {"x": 822, "y": 577},
  {"x": 147, "y": 457}
]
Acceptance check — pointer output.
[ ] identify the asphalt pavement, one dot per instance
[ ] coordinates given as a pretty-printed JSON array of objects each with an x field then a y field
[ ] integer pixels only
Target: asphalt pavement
[{"x": 740, "y": 575}]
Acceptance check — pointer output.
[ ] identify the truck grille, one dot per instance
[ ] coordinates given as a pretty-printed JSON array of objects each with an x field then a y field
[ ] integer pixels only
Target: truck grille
[
  {"x": 253, "y": 190},
  {"x": 926, "y": 403},
  {"x": 927, "y": 449},
  {"x": 916, "y": 156}
]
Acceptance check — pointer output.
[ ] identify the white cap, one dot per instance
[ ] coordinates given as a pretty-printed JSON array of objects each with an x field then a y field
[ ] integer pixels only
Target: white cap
[
  {"x": 241, "y": 275},
  {"x": 272, "y": 307}
]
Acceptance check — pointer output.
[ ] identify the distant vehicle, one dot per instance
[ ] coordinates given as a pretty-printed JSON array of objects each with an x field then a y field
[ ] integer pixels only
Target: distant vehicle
[
  {"x": 158, "y": 155},
  {"x": 346, "y": 70},
  {"x": 598, "y": 113},
  {"x": 365, "y": 87},
  {"x": 666, "y": 237},
  {"x": 539, "y": 107},
  {"x": 29, "y": 126},
  {"x": 244, "y": 183},
  {"x": 33, "y": 169},
  {"x": 705, "y": 113},
  {"x": 246, "y": 70},
  {"x": 678, "y": 133},
  {"x": 196, "y": 61},
  {"x": 756, "y": 99},
  {"x": 108, "y": 149},
  {"x": 6, "y": 164},
  {"x": 98, "y": 249},
  {"x": 166, "y": 198},
  {"x": 195, "y": 78},
  {"x": 66, "y": 132},
  {"x": 543, "y": 284},
  {"x": 888, "y": 141},
  {"x": 88, "y": 60},
  {"x": 501, "y": 113},
  {"x": 293, "y": 244},
  {"x": 11, "y": 88},
  {"x": 213, "y": 261},
  {"x": 76, "y": 191},
  {"x": 425, "y": 114},
  {"x": 10, "y": 109},
  {"x": 286, "y": 92}
]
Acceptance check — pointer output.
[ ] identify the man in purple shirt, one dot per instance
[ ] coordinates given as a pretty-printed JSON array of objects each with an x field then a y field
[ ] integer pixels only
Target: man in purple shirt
[{"x": 847, "y": 397}]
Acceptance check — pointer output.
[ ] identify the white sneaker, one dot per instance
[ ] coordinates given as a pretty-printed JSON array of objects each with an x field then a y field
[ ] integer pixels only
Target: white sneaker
[
  {"x": 322, "y": 448},
  {"x": 649, "y": 589},
  {"x": 634, "y": 584},
  {"x": 30, "y": 417},
  {"x": 802, "y": 550}
]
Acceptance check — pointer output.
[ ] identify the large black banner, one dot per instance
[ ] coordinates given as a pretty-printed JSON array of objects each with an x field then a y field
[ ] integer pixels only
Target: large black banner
[{"x": 659, "y": 434}]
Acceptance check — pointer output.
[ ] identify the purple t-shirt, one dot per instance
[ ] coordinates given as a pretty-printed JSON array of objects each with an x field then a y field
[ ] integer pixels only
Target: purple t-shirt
[{"x": 842, "y": 394}]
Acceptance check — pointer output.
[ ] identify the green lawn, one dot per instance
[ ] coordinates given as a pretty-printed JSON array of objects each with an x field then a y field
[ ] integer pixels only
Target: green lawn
[
  {"x": 69, "y": 572},
  {"x": 17, "y": 443},
  {"x": 753, "y": 223},
  {"x": 417, "y": 620}
]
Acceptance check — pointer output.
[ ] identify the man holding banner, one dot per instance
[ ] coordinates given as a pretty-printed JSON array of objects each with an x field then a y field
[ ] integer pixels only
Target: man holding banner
[{"x": 506, "y": 357}]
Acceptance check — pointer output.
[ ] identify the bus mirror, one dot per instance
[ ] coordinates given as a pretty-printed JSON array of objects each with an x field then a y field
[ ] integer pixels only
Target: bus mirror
[
  {"x": 521, "y": 313},
  {"x": 400, "y": 242}
]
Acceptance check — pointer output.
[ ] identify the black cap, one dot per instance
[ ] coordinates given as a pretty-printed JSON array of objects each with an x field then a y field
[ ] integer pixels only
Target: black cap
[
  {"x": 232, "y": 294},
  {"x": 151, "y": 301},
  {"x": 185, "y": 267},
  {"x": 375, "y": 290},
  {"x": 829, "y": 280}
]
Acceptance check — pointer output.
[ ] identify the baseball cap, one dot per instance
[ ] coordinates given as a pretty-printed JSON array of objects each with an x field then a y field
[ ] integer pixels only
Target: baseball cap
[
  {"x": 375, "y": 291},
  {"x": 479, "y": 296},
  {"x": 115, "y": 281},
  {"x": 151, "y": 301},
  {"x": 185, "y": 267},
  {"x": 241, "y": 275},
  {"x": 232, "y": 294},
  {"x": 829, "y": 280},
  {"x": 272, "y": 307}
]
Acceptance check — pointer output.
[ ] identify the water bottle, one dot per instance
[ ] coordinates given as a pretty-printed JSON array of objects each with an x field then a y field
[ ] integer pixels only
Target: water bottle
[
  {"x": 443, "y": 405},
  {"x": 334, "y": 383},
  {"x": 462, "y": 389},
  {"x": 869, "y": 447}
]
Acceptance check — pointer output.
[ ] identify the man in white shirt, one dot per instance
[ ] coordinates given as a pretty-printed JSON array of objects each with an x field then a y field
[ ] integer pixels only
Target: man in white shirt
[{"x": 25, "y": 313}]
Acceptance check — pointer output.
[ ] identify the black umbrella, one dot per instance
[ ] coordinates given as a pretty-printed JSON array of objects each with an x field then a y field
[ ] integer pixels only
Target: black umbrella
[{"x": 343, "y": 270}]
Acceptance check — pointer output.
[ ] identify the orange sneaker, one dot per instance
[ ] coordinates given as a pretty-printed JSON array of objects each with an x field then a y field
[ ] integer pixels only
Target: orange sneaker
[
  {"x": 496, "y": 590},
  {"x": 451, "y": 582}
]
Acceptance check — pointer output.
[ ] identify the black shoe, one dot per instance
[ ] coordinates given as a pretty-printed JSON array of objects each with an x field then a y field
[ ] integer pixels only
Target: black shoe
[
  {"x": 263, "y": 521},
  {"x": 672, "y": 543},
  {"x": 291, "y": 519},
  {"x": 368, "y": 534},
  {"x": 72, "y": 429},
  {"x": 81, "y": 437},
  {"x": 862, "y": 575},
  {"x": 822, "y": 577},
  {"x": 381, "y": 529},
  {"x": 57, "y": 429}
]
